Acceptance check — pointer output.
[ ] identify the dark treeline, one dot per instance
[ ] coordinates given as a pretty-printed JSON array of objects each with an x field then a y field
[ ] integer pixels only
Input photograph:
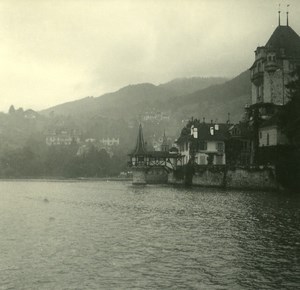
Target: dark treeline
[
  {"x": 59, "y": 161},
  {"x": 24, "y": 152}
]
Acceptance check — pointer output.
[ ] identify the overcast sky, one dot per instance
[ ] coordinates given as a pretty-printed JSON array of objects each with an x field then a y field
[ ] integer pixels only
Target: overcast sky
[{"x": 52, "y": 52}]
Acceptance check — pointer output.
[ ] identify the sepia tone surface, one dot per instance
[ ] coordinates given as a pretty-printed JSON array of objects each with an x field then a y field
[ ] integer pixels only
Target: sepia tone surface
[{"x": 149, "y": 144}]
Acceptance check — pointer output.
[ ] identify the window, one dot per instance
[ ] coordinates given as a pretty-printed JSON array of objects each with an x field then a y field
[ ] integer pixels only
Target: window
[
  {"x": 202, "y": 145},
  {"x": 219, "y": 160},
  {"x": 268, "y": 139},
  {"x": 202, "y": 159},
  {"x": 220, "y": 146},
  {"x": 260, "y": 135}
]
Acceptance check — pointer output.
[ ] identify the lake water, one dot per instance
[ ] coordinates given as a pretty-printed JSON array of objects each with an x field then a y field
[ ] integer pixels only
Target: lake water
[{"x": 111, "y": 235}]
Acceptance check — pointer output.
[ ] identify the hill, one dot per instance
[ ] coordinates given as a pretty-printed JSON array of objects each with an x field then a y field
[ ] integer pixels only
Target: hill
[
  {"x": 133, "y": 99},
  {"x": 217, "y": 101},
  {"x": 185, "y": 86}
]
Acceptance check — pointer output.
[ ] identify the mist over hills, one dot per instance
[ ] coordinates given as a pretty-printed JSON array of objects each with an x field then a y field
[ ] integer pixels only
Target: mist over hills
[
  {"x": 215, "y": 102},
  {"x": 184, "y": 86},
  {"x": 180, "y": 98}
]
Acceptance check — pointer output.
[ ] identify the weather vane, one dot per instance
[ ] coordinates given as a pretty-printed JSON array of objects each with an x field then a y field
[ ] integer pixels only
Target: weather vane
[
  {"x": 287, "y": 14},
  {"x": 279, "y": 14}
]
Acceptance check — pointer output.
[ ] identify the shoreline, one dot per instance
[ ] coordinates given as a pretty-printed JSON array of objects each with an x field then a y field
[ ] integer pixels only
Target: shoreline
[{"x": 63, "y": 179}]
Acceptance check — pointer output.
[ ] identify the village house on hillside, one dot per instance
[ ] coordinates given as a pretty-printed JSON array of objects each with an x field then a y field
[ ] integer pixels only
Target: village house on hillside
[{"x": 62, "y": 137}]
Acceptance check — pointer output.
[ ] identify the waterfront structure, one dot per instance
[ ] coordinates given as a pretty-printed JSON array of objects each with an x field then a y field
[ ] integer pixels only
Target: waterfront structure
[
  {"x": 203, "y": 143},
  {"x": 151, "y": 166}
]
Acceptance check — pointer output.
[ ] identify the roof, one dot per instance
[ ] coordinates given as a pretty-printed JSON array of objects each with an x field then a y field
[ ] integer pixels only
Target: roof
[
  {"x": 243, "y": 129},
  {"x": 204, "y": 132},
  {"x": 160, "y": 154},
  {"x": 140, "y": 148},
  {"x": 285, "y": 37}
]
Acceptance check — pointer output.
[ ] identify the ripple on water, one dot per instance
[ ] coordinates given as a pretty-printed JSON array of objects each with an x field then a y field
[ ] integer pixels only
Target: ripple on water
[{"x": 110, "y": 235}]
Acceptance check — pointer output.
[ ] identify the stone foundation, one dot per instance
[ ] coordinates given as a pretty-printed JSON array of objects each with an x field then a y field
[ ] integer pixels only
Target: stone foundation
[
  {"x": 237, "y": 178},
  {"x": 156, "y": 175},
  {"x": 139, "y": 176}
]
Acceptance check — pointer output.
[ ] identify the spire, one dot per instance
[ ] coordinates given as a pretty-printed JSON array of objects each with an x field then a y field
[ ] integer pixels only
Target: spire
[
  {"x": 287, "y": 15},
  {"x": 279, "y": 15},
  {"x": 165, "y": 140},
  {"x": 165, "y": 145},
  {"x": 140, "y": 147}
]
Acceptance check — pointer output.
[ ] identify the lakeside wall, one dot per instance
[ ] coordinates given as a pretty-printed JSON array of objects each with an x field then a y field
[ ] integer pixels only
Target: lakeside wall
[{"x": 236, "y": 178}]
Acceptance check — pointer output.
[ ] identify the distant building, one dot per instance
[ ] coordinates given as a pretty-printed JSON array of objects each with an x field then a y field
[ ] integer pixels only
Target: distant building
[
  {"x": 203, "y": 143},
  {"x": 165, "y": 144},
  {"x": 154, "y": 116},
  {"x": 62, "y": 137},
  {"x": 110, "y": 141}
]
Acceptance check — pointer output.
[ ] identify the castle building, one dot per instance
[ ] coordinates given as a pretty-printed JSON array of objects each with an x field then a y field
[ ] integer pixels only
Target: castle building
[
  {"x": 270, "y": 73},
  {"x": 271, "y": 70}
]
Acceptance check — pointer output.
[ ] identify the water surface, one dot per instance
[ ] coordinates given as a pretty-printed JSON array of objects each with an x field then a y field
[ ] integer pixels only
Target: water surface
[{"x": 111, "y": 235}]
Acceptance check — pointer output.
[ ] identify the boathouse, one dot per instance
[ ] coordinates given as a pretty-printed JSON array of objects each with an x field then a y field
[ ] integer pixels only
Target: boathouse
[{"x": 150, "y": 167}]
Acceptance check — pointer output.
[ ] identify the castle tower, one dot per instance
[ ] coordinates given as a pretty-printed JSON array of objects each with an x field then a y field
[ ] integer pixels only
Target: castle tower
[{"x": 274, "y": 62}]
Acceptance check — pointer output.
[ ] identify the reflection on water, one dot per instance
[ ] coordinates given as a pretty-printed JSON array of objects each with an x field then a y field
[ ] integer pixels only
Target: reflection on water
[{"x": 110, "y": 235}]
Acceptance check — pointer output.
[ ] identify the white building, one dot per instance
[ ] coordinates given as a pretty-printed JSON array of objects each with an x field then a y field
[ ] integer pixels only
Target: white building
[{"x": 203, "y": 142}]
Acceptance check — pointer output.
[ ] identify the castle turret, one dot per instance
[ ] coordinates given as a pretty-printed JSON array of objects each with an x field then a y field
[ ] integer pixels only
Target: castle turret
[{"x": 274, "y": 62}]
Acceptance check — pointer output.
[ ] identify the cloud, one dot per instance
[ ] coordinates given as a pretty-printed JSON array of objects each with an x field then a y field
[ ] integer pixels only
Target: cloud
[{"x": 57, "y": 51}]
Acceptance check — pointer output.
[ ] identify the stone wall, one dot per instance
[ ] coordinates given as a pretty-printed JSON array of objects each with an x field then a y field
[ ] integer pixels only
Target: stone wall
[
  {"x": 209, "y": 177},
  {"x": 237, "y": 178},
  {"x": 138, "y": 176},
  {"x": 261, "y": 179},
  {"x": 172, "y": 179},
  {"x": 156, "y": 175}
]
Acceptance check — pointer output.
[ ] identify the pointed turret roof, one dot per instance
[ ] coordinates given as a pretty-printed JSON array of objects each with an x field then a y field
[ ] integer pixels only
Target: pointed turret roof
[
  {"x": 284, "y": 37},
  {"x": 140, "y": 148},
  {"x": 165, "y": 140}
]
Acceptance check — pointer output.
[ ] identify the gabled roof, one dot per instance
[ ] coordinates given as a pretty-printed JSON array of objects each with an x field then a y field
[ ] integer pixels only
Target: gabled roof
[
  {"x": 204, "y": 132},
  {"x": 140, "y": 148},
  {"x": 284, "y": 37}
]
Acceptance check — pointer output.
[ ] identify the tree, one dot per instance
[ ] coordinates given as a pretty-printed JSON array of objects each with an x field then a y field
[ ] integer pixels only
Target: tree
[
  {"x": 288, "y": 163},
  {"x": 289, "y": 118},
  {"x": 11, "y": 110}
]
